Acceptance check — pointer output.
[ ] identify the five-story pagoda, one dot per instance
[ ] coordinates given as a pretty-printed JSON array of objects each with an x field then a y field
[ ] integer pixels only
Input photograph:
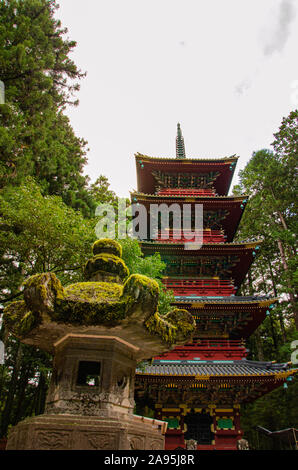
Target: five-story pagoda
[{"x": 198, "y": 388}]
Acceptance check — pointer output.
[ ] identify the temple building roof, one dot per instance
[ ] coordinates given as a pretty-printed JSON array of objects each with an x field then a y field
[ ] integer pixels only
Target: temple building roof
[
  {"x": 226, "y": 316},
  {"x": 222, "y": 260},
  {"x": 195, "y": 159},
  {"x": 234, "y": 299},
  {"x": 214, "y": 172},
  {"x": 219, "y": 212},
  {"x": 197, "y": 369},
  {"x": 210, "y": 198},
  {"x": 217, "y": 381}
]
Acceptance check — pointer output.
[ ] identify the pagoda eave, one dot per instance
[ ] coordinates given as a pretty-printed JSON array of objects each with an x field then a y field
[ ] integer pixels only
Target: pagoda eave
[
  {"x": 232, "y": 247},
  {"x": 233, "y": 259},
  {"x": 229, "y": 208},
  {"x": 238, "y": 319},
  {"x": 259, "y": 378},
  {"x": 232, "y": 158},
  {"x": 145, "y": 165},
  {"x": 210, "y": 199},
  {"x": 224, "y": 302}
]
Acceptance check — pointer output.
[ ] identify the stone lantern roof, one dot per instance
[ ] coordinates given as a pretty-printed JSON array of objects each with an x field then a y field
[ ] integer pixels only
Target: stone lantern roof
[
  {"x": 109, "y": 303},
  {"x": 98, "y": 331}
]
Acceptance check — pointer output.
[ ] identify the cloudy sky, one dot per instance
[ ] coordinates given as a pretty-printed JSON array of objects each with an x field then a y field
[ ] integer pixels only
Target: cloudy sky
[{"x": 226, "y": 70}]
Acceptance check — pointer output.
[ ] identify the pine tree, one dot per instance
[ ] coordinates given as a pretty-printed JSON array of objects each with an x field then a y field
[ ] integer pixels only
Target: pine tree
[
  {"x": 40, "y": 79},
  {"x": 270, "y": 180},
  {"x": 272, "y": 215}
]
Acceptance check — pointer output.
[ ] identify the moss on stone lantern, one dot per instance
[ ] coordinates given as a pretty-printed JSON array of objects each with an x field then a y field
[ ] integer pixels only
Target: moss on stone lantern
[{"x": 97, "y": 331}]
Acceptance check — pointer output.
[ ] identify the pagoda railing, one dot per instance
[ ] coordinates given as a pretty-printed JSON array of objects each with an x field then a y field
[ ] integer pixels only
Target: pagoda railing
[
  {"x": 200, "y": 287},
  {"x": 208, "y": 349},
  {"x": 209, "y": 236},
  {"x": 216, "y": 344},
  {"x": 187, "y": 192}
]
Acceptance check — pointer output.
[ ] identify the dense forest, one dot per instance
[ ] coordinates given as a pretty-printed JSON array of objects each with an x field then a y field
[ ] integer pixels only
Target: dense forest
[
  {"x": 47, "y": 212},
  {"x": 270, "y": 181}
]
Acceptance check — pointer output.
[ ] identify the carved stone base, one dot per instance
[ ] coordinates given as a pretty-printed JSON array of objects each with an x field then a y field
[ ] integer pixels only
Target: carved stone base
[{"x": 71, "y": 432}]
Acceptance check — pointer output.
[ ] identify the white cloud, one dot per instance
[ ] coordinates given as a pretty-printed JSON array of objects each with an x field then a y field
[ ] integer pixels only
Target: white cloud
[{"x": 280, "y": 34}]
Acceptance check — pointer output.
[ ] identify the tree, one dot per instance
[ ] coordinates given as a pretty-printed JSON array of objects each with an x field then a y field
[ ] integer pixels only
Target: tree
[
  {"x": 40, "y": 234},
  {"x": 270, "y": 180},
  {"x": 37, "y": 234},
  {"x": 151, "y": 266},
  {"x": 100, "y": 192},
  {"x": 36, "y": 138},
  {"x": 46, "y": 208},
  {"x": 272, "y": 214}
]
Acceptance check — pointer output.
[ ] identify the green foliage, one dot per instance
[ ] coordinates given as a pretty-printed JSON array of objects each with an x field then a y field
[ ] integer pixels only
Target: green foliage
[
  {"x": 36, "y": 138},
  {"x": 100, "y": 192},
  {"x": 43, "y": 224},
  {"x": 275, "y": 411},
  {"x": 270, "y": 180},
  {"x": 151, "y": 266},
  {"x": 271, "y": 214},
  {"x": 40, "y": 234}
]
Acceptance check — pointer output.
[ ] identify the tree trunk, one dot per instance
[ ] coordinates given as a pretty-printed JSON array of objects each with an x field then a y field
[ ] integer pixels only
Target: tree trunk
[
  {"x": 274, "y": 337},
  {"x": 23, "y": 382},
  {"x": 291, "y": 295},
  {"x": 41, "y": 394},
  {"x": 280, "y": 317},
  {"x": 6, "y": 415},
  {"x": 259, "y": 345}
]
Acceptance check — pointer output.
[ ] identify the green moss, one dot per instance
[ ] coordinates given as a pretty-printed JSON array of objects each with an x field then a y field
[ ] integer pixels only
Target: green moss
[
  {"x": 106, "y": 263},
  {"x": 90, "y": 303},
  {"x": 142, "y": 292},
  {"x": 182, "y": 319},
  {"x": 158, "y": 326},
  {"x": 18, "y": 319},
  {"x": 107, "y": 245},
  {"x": 28, "y": 323},
  {"x": 97, "y": 303},
  {"x": 94, "y": 291},
  {"x": 41, "y": 290},
  {"x": 176, "y": 325},
  {"x": 138, "y": 282},
  {"x": 39, "y": 280}
]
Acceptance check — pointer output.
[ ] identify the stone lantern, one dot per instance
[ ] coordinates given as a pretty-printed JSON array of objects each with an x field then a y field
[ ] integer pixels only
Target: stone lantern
[{"x": 97, "y": 331}]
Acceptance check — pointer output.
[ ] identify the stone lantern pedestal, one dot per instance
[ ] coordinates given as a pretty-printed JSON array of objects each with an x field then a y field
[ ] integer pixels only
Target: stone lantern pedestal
[
  {"x": 97, "y": 332},
  {"x": 90, "y": 401}
]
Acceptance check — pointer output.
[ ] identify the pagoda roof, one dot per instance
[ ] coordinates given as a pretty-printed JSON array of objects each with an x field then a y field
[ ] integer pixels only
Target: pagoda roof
[
  {"x": 145, "y": 165},
  {"x": 198, "y": 369},
  {"x": 195, "y": 159},
  {"x": 238, "y": 256},
  {"x": 231, "y": 316},
  {"x": 231, "y": 207},
  {"x": 233, "y": 246},
  {"x": 229, "y": 380},
  {"x": 215, "y": 198},
  {"x": 205, "y": 300}
]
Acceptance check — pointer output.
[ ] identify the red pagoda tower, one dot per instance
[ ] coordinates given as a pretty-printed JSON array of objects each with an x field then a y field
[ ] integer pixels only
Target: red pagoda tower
[{"x": 198, "y": 388}]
